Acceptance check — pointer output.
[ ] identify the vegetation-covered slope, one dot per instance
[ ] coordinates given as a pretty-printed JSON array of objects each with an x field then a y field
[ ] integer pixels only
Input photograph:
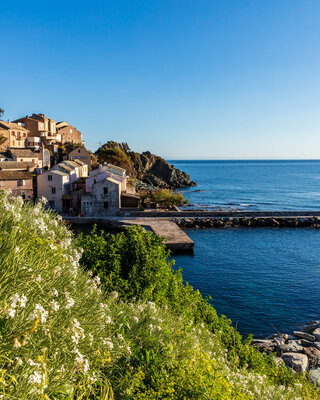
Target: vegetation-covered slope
[{"x": 63, "y": 337}]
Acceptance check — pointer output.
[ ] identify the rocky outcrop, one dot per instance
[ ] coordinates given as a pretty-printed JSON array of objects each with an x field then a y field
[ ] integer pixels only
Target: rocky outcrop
[
  {"x": 298, "y": 351},
  {"x": 156, "y": 172},
  {"x": 151, "y": 171}
]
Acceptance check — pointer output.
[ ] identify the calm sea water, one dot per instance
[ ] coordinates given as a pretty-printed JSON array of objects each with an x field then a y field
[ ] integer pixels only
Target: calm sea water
[
  {"x": 253, "y": 185},
  {"x": 265, "y": 280}
]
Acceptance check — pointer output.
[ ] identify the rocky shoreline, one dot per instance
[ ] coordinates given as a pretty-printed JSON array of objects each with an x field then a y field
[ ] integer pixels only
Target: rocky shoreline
[
  {"x": 253, "y": 222},
  {"x": 299, "y": 351}
]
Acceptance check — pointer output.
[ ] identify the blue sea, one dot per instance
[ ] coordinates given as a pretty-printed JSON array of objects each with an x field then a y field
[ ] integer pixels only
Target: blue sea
[{"x": 264, "y": 279}]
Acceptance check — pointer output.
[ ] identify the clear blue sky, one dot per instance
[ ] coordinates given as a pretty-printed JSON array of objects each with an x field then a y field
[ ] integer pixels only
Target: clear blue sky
[{"x": 181, "y": 78}]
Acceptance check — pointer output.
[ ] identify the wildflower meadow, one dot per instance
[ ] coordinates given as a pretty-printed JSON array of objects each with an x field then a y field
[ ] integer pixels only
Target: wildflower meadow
[{"x": 86, "y": 318}]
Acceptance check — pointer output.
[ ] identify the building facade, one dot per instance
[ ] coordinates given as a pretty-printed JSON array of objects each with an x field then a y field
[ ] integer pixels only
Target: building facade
[
  {"x": 68, "y": 133},
  {"x": 42, "y": 127},
  {"x": 41, "y": 158},
  {"x": 12, "y": 135},
  {"x": 19, "y": 182},
  {"x": 80, "y": 154},
  {"x": 103, "y": 200}
]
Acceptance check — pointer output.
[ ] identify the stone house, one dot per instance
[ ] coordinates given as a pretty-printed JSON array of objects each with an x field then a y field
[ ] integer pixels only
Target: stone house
[
  {"x": 41, "y": 158},
  {"x": 19, "y": 182},
  {"x": 68, "y": 133},
  {"x": 80, "y": 154},
  {"x": 107, "y": 171},
  {"x": 106, "y": 192},
  {"x": 12, "y": 135},
  {"x": 42, "y": 127},
  {"x": 104, "y": 198}
]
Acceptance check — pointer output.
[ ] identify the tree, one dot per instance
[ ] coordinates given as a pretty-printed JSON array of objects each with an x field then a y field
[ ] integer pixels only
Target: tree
[{"x": 1, "y": 112}]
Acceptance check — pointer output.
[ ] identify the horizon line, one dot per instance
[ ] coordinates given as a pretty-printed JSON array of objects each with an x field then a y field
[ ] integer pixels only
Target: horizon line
[{"x": 241, "y": 159}]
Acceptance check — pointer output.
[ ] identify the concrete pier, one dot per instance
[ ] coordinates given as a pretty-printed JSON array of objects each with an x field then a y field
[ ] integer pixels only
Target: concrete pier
[{"x": 175, "y": 238}]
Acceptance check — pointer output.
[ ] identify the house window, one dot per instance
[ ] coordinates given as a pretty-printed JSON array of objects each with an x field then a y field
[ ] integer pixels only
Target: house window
[
  {"x": 53, "y": 190},
  {"x": 23, "y": 195},
  {"x": 105, "y": 204},
  {"x": 105, "y": 190},
  {"x": 49, "y": 177},
  {"x": 20, "y": 182},
  {"x": 51, "y": 203}
]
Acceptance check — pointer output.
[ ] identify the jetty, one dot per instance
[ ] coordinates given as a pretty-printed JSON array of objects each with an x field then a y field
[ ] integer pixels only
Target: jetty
[{"x": 169, "y": 224}]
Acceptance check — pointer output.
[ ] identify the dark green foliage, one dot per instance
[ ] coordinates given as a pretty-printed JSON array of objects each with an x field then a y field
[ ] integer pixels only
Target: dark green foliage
[
  {"x": 116, "y": 154},
  {"x": 1, "y": 112}
]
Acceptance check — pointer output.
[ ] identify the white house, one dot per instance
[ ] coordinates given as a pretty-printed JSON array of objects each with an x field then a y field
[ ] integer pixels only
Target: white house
[
  {"x": 56, "y": 185},
  {"x": 107, "y": 171}
]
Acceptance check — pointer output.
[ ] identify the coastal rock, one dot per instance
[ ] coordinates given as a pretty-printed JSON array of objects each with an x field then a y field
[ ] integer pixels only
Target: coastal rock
[
  {"x": 298, "y": 362},
  {"x": 279, "y": 341},
  {"x": 316, "y": 334},
  {"x": 306, "y": 343},
  {"x": 310, "y": 327},
  {"x": 279, "y": 361},
  {"x": 316, "y": 345},
  {"x": 264, "y": 345},
  {"x": 313, "y": 356},
  {"x": 292, "y": 347},
  {"x": 315, "y": 375},
  {"x": 156, "y": 171},
  {"x": 304, "y": 335}
]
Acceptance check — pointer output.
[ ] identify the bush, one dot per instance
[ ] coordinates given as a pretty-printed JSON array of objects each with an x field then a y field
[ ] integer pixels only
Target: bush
[
  {"x": 136, "y": 265},
  {"x": 167, "y": 198}
]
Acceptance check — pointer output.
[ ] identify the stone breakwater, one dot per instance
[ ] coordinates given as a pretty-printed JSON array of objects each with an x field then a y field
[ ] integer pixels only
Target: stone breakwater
[
  {"x": 299, "y": 351},
  {"x": 246, "y": 221}
]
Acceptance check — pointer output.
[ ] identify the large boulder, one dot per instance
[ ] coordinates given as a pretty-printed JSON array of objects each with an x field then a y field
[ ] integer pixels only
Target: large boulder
[
  {"x": 304, "y": 335},
  {"x": 292, "y": 346},
  {"x": 298, "y": 362},
  {"x": 316, "y": 334}
]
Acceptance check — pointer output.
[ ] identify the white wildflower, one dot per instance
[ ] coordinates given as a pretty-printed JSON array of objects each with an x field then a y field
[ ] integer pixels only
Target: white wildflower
[
  {"x": 39, "y": 312},
  {"x": 54, "y": 305},
  {"x": 70, "y": 301}
]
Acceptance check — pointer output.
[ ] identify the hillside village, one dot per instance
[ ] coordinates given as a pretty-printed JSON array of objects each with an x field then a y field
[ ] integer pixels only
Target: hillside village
[{"x": 33, "y": 166}]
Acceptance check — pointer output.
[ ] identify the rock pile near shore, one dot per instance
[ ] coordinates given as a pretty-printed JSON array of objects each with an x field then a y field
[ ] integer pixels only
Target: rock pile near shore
[
  {"x": 254, "y": 222},
  {"x": 299, "y": 351}
]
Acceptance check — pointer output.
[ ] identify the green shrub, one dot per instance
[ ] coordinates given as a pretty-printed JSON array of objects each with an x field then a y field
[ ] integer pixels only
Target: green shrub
[
  {"x": 167, "y": 198},
  {"x": 137, "y": 265}
]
